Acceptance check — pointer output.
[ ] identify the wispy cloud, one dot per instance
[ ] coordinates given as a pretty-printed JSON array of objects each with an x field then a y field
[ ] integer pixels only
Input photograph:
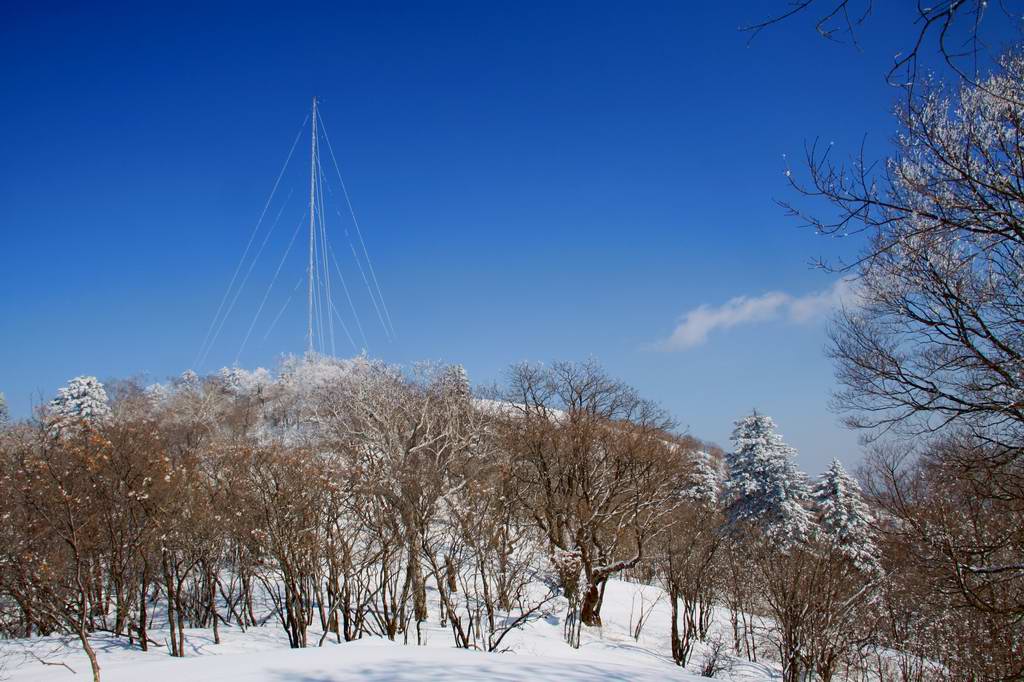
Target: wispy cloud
[{"x": 697, "y": 324}]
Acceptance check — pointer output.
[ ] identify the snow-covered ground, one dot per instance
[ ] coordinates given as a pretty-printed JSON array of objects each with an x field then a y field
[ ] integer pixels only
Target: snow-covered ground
[{"x": 536, "y": 652}]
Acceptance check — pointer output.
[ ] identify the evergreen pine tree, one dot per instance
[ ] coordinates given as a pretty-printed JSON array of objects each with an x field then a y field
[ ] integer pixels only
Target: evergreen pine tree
[
  {"x": 764, "y": 489},
  {"x": 705, "y": 483},
  {"x": 188, "y": 380},
  {"x": 83, "y": 399},
  {"x": 844, "y": 517},
  {"x": 457, "y": 381}
]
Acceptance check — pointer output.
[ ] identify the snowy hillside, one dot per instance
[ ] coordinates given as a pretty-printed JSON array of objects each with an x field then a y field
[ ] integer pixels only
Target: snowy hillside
[{"x": 537, "y": 652}]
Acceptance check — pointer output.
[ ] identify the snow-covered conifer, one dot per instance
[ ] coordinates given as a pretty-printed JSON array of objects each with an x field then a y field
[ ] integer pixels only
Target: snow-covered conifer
[
  {"x": 456, "y": 381},
  {"x": 241, "y": 382},
  {"x": 4, "y": 413},
  {"x": 844, "y": 517},
  {"x": 705, "y": 483},
  {"x": 157, "y": 394},
  {"x": 188, "y": 381},
  {"x": 764, "y": 488},
  {"x": 82, "y": 400}
]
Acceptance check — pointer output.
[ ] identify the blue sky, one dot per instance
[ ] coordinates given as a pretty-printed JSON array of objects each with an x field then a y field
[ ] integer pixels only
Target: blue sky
[{"x": 534, "y": 182}]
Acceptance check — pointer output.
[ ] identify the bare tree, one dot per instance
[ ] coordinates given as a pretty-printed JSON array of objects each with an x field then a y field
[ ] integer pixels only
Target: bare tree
[
  {"x": 52, "y": 500},
  {"x": 952, "y": 27},
  {"x": 402, "y": 434},
  {"x": 498, "y": 557},
  {"x": 689, "y": 559},
  {"x": 934, "y": 337},
  {"x": 595, "y": 465},
  {"x": 954, "y": 541}
]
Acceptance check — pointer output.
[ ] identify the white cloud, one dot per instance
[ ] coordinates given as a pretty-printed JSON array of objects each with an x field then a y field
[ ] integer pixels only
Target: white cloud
[{"x": 695, "y": 325}]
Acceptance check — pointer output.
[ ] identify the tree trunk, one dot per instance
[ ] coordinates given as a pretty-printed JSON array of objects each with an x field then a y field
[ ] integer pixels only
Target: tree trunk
[
  {"x": 417, "y": 583},
  {"x": 93, "y": 662},
  {"x": 171, "y": 616},
  {"x": 673, "y": 597},
  {"x": 449, "y": 567},
  {"x": 212, "y": 582},
  {"x": 143, "y": 641},
  {"x": 590, "y": 613}
]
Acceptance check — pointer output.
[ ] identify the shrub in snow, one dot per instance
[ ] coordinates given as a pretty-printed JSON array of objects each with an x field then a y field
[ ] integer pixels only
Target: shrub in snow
[
  {"x": 716, "y": 658},
  {"x": 83, "y": 400},
  {"x": 764, "y": 489},
  {"x": 844, "y": 518}
]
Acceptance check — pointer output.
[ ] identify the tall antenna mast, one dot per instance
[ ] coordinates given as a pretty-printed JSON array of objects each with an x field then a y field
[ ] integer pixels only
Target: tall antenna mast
[{"x": 312, "y": 229}]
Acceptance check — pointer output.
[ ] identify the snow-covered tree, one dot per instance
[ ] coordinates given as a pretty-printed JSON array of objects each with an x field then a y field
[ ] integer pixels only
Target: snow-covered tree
[
  {"x": 456, "y": 381},
  {"x": 4, "y": 413},
  {"x": 844, "y": 517},
  {"x": 188, "y": 381},
  {"x": 764, "y": 488},
  {"x": 241, "y": 382},
  {"x": 82, "y": 400},
  {"x": 157, "y": 394},
  {"x": 306, "y": 376},
  {"x": 705, "y": 482}
]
